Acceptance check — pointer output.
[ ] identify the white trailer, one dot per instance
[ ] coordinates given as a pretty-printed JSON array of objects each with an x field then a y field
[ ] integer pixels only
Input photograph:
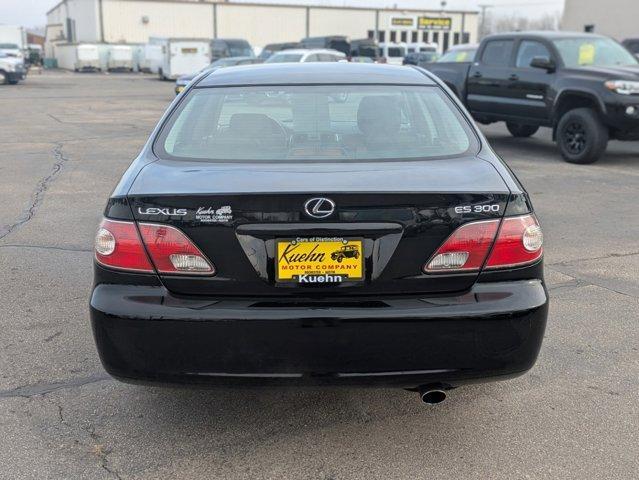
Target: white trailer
[
  {"x": 120, "y": 58},
  {"x": 81, "y": 58},
  {"x": 13, "y": 40},
  {"x": 182, "y": 56},
  {"x": 152, "y": 58}
]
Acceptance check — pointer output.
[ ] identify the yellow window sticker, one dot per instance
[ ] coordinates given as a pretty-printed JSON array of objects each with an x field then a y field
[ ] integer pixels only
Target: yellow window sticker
[
  {"x": 587, "y": 54},
  {"x": 461, "y": 56}
]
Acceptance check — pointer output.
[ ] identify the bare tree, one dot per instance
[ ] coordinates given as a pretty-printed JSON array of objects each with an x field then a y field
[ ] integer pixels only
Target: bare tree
[{"x": 515, "y": 22}]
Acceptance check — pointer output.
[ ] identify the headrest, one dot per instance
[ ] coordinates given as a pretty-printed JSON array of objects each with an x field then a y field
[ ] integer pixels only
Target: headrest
[
  {"x": 379, "y": 115},
  {"x": 254, "y": 123}
]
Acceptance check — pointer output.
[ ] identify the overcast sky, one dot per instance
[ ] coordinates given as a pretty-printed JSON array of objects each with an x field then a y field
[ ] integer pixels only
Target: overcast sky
[{"x": 32, "y": 12}]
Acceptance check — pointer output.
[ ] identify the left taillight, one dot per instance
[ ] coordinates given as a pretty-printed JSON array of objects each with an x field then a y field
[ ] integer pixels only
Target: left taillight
[
  {"x": 118, "y": 245},
  {"x": 172, "y": 252}
]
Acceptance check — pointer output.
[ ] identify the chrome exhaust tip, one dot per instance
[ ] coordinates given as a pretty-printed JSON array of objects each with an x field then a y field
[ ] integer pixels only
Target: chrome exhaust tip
[{"x": 432, "y": 396}]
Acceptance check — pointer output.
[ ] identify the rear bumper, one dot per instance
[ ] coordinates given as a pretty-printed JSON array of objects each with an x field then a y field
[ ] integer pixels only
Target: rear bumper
[{"x": 145, "y": 334}]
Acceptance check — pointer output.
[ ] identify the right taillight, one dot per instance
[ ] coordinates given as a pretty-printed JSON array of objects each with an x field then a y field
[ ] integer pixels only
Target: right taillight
[
  {"x": 515, "y": 242},
  {"x": 519, "y": 242}
]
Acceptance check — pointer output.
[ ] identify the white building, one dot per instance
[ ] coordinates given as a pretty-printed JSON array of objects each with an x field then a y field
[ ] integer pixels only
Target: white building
[
  {"x": 134, "y": 21},
  {"x": 615, "y": 18}
]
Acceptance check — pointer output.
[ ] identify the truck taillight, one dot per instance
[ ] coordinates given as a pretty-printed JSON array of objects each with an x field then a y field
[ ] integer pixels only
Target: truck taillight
[
  {"x": 466, "y": 249},
  {"x": 172, "y": 252},
  {"x": 118, "y": 245},
  {"x": 519, "y": 242},
  {"x": 516, "y": 242}
]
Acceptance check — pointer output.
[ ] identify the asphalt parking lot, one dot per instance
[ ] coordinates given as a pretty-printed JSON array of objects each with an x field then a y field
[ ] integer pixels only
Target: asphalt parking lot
[{"x": 66, "y": 138}]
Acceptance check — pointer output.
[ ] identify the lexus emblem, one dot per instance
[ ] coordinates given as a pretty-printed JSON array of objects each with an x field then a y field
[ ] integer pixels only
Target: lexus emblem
[{"x": 319, "y": 207}]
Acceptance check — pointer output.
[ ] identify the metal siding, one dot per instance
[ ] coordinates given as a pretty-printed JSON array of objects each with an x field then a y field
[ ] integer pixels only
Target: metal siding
[
  {"x": 123, "y": 20},
  {"x": 261, "y": 25},
  {"x": 616, "y": 18}
]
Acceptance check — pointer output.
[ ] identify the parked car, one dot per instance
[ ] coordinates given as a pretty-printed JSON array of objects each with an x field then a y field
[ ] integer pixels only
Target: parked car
[
  {"x": 632, "y": 44},
  {"x": 459, "y": 53},
  {"x": 331, "y": 42},
  {"x": 306, "y": 55},
  {"x": 420, "y": 58},
  {"x": 230, "y": 47},
  {"x": 11, "y": 69},
  {"x": 361, "y": 60},
  {"x": 393, "y": 53},
  {"x": 583, "y": 86},
  {"x": 213, "y": 261},
  {"x": 365, "y": 47},
  {"x": 272, "y": 48},
  {"x": 184, "y": 80}
]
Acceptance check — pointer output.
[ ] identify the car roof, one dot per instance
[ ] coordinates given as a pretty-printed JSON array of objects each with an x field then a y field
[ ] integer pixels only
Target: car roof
[
  {"x": 304, "y": 51},
  {"x": 323, "y": 73},
  {"x": 549, "y": 34}
]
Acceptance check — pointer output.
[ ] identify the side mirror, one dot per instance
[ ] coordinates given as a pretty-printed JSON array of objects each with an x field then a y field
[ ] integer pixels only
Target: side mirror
[{"x": 544, "y": 63}]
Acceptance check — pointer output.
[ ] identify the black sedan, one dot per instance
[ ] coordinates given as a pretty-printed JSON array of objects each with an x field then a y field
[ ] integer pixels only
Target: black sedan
[{"x": 213, "y": 261}]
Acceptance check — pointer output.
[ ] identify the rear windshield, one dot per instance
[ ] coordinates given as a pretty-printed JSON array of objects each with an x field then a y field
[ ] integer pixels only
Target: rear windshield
[{"x": 321, "y": 122}]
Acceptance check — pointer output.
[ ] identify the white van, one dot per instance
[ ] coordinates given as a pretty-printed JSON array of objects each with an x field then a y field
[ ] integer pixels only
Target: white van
[
  {"x": 393, "y": 52},
  {"x": 120, "y": 58},
  {"x": 182, "y": 56}
]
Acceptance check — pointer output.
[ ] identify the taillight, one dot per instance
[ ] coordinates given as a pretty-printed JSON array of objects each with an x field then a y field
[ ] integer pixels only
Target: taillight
[
  {"x": 118, "y": 245},
  {"x": 519, "y": 242},
  {"x": 466, "y": 249},
  {"x": 173, "y": 252}
]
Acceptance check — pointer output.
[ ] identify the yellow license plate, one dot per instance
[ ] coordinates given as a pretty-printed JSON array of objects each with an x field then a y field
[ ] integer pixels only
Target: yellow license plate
[{"x": 319, "y": 260}]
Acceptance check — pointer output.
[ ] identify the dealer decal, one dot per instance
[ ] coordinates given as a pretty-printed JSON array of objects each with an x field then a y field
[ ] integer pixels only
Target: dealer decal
[{"x": 212, "y": 215}]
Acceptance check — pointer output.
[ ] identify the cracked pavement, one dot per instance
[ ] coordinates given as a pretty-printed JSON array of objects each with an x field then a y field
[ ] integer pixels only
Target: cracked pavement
[{"x": 64, "y": 144}]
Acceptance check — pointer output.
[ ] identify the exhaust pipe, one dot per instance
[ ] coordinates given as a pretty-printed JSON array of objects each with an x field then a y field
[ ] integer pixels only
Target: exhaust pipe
[{"x": 431, "y": 395}]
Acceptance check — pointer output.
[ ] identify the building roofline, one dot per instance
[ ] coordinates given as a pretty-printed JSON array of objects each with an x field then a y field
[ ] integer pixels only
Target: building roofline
[{"x": 293, "y": 5}]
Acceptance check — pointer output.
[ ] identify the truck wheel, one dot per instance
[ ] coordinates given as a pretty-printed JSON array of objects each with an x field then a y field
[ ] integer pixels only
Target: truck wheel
[
  {"x": 520, "y": 131},
  {"x": 581, "y": 136},
  {"x": 12, "y": 82}
]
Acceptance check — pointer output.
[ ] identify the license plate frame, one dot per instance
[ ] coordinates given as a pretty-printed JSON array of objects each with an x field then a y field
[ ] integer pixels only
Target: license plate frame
[{"x": 351, "y": 268}]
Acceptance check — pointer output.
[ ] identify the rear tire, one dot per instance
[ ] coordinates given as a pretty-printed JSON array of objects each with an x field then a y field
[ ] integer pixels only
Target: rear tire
[
  {"x": 581, "y": 136},
  {"x": 518, "y": 130}
]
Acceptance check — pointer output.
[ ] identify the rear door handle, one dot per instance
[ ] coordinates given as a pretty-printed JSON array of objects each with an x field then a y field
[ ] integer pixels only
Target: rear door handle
[
  {"x": 477, "y": 74},
  {"x": 514, "y": 76}
]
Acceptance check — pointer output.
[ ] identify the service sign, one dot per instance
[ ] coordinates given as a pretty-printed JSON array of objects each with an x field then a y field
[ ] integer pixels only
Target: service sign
[
  {"x": 434, "y": 23},
  {"x": 403, "y": 22}
]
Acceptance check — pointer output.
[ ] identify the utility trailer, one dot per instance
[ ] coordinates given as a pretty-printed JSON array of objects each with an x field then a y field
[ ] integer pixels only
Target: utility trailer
[
  {"x": 182, "y": 56},
  {"x": 120, "y": 58},
  {"x": 78, "y": 57}
]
